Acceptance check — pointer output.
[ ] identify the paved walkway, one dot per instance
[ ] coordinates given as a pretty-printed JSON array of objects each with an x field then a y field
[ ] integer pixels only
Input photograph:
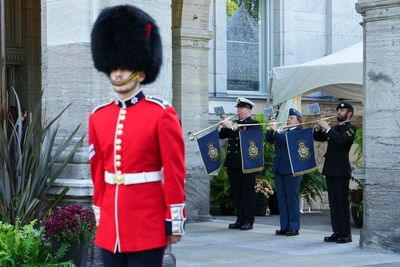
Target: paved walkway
[{"x": 212, "y": 244}]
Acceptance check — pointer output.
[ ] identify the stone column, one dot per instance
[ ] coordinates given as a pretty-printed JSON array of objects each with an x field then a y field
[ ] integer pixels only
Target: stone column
[
  {"x": 190, "y": 36},
  {"x": 381, "y": 22}
]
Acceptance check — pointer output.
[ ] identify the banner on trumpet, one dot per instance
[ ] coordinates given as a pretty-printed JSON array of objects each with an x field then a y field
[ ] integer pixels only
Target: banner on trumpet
[
  {"x": 269, "y": 114},
  {"x": 252, "y": 150},
  {"x": 314, "y": 109},
  {"x": 300, "y": 146},
  {"x": 219, "y": 111},
  {"x": 210, "y": 151}
]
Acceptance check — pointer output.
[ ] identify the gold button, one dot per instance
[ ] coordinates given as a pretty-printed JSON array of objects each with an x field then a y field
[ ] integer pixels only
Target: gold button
[
  {"x": 118, "y": 163},
  {"x": 118, "y": 148},
  {"x": 123, "y": 111},
  {"x": 119, "y": 172},
  {"x": 120, "y": 126},
  {"x": 118, "y": 141},
  {"x": 122, "y": 117},
  {"x": 119, "y": 132},
  {"x": 118, "y": 157}
]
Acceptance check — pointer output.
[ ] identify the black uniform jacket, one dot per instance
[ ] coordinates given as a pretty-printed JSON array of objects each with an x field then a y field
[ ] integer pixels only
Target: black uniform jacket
[
  {"x": 233, "y": 157},
  {"x": 340, "y": 138}
]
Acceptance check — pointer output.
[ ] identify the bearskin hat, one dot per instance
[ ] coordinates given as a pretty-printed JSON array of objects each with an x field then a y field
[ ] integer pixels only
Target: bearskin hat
[{"x": 126, "y": 37}]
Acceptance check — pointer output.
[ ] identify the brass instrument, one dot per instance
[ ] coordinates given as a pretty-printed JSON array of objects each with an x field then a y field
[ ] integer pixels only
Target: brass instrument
[
  {"x": 308, "y": 122},
  {"x": 192, "y": 136},
  {"x": 236, "y": 126}
]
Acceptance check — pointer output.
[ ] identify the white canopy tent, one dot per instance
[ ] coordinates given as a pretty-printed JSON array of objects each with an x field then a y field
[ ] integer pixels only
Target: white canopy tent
[{"x": 339, "y": 74}]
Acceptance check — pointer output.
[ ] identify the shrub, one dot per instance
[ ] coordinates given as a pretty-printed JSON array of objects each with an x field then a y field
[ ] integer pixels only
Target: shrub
[
  {"x": 28, "y": 171},
  {"x": 25, "y": 246}
]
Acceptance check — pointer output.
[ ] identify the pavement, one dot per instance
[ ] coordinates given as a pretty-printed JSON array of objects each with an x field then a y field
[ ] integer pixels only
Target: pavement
[{"x": 212, "y": 244}]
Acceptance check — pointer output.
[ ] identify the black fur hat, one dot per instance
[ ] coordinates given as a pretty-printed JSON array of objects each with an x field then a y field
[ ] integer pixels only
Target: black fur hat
[{"x": 126, "y": 37}]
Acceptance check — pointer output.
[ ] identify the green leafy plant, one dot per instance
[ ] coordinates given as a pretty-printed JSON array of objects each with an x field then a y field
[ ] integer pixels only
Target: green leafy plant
[
  {"x": 252, "y": 6},
  {"x": 220, "y": 193},
  {"x": 312, "y": 186},
  {"x": 28, "y": 154},
  {"x": 25, "y": 246},
  {"x": 358, "y": 152}
]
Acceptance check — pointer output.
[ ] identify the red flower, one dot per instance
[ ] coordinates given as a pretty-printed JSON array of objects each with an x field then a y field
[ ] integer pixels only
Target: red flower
[
  {"x": 356, "y": 195},
  {"x": 71, "y": 222}
]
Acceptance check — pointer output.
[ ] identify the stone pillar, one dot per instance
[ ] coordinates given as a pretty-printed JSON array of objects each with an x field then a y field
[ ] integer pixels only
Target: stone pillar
[
  {"x": 381, "y": 22},
  {"x": 190, "y": 36}
]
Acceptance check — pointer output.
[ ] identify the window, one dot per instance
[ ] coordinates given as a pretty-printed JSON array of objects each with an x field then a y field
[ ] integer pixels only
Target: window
[{"x": 247, "y": 52}]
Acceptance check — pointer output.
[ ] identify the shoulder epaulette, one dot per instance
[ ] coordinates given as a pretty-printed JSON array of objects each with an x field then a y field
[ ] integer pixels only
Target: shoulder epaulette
[
  {"x": 101, "y": 106},
  {"x": 161, "y": 102}
]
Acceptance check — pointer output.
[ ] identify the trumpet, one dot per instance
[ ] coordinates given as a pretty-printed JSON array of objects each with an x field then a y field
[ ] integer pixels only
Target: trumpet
[
  {"x": 192, "y": 136},
  {"x": 308, "y": 122},
  {"x": 236, "y": 126}
]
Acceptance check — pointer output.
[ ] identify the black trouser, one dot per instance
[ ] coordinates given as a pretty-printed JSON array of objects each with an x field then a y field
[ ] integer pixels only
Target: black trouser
[
  {"x": 243, "y": 194},
  {"x": 146, "y": 258},
  {"x": 338, "y": 194}
]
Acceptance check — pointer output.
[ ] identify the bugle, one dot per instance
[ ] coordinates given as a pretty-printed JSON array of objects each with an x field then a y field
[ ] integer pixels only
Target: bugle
[
  {"x": 236, "y": 126},
  {"x": 192, "y": 136},
  {"x": 307, "y": 122}
]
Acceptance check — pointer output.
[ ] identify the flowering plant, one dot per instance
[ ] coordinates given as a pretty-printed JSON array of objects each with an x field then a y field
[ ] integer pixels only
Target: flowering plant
[
  {"x": 356, "y": 201},
  {"x": 70, "y": 223},
  {"x": 356, "y": 194},
  {"x": 264, "y": 187}
]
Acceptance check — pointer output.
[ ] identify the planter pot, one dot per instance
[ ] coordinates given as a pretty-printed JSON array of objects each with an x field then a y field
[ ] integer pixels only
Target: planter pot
[
  {"x": 273, "y": 205},
  {"x": 77, "y": 253},
  {"x": 226, "y": 210},
  {"x": 261, "y": 206},
  {"x": 357, "y": 214}
]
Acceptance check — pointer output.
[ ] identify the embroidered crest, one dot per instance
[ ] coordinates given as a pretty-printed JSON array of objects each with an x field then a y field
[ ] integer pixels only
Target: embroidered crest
[
  {"x": 303, "y": 151},
  {"x": 253, "y": 150},
  {"x": 212, "y": 152}
]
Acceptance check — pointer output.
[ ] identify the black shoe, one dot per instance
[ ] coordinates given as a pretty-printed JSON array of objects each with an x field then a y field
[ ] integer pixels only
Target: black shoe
[
  {"x": 333, "y": 238},
  {"x": 345, "y": 239},
  {"x": 292, "y": 233},
  {"x": 280, "y": 232},
  {"x": 235, "y": 225},
  {"x": 246, "y": 226}
]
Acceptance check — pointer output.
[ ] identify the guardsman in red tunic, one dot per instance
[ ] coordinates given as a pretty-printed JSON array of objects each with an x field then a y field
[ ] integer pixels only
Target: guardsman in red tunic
[{"x": 136, "y": 147}]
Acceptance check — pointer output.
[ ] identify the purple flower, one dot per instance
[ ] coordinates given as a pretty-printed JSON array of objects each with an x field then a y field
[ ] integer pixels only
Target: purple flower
[{"x": 72, "y": 222}]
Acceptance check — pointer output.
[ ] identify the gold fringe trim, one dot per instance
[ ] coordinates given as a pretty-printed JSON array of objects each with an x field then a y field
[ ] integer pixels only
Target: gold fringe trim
[
  {"x": 305, "y": 171},
  {"x": 253, "y": 170}
]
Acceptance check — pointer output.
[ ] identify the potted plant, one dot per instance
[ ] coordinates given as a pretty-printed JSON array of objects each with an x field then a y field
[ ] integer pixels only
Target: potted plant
[
  {"x": 356, "y": 196},
  {"x": 25, "y": 246},
  {"x": 33, "y": 154},
  {"x": 312, "y": 186},
  {"x": 70, "y": 229},
  {"x": 264, "y": 190}
]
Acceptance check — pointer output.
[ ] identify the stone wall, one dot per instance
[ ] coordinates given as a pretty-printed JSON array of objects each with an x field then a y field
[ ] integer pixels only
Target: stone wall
[{"x": 68, "y": 75}]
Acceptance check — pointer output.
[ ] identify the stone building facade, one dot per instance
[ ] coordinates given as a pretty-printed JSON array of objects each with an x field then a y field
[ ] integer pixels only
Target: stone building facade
[{"x": 55, "y": 56}]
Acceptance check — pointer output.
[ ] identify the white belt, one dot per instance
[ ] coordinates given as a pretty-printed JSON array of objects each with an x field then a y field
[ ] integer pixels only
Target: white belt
[{"x": 132, "y": 178}]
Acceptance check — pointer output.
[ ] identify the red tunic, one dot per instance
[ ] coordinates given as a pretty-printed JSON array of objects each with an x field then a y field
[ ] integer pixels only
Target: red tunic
[{"x": 142, "y": 134}]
